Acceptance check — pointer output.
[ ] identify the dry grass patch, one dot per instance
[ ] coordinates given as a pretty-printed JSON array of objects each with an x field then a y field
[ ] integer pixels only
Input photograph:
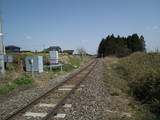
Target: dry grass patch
[
  {"x": 118, "y": 101},
  {"x": 122, "y": 106}
]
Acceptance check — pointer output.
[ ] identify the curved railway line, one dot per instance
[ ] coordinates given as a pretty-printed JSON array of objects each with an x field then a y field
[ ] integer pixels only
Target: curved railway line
[{"x": 53, "y": 99}]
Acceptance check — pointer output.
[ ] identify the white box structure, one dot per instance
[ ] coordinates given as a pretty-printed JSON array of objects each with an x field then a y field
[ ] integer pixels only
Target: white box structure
[
  {"x": 34, "y": 63},
  {"x": 53, "y": 57}
]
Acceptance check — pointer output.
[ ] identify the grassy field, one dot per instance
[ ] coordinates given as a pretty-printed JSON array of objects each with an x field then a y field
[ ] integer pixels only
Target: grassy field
[{"x": 137, "y": 76}]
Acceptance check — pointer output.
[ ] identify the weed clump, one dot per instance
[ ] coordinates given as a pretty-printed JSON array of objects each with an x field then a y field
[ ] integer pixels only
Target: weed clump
[
  {"x": 6, "y": 88},
  {"x": 23, "y": 80}
]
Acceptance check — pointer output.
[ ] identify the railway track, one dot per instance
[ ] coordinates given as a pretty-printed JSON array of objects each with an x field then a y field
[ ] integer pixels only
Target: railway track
[{"x": 47, "y": 105}]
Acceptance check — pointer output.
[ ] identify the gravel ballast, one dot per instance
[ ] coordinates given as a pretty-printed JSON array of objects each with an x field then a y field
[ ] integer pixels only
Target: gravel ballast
[{"x": 89, "y": 103}]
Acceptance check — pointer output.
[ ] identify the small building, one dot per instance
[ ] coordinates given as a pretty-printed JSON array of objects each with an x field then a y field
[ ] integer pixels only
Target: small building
[
  {"x": 70, "y": 52},
  {"x": 12, "y": 48},
  {"x": 53, "y": 48}
]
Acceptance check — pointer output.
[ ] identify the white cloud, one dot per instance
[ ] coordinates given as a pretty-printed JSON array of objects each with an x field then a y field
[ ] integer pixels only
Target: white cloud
[
  {"x": 153, "y": 28},
  {"x": 84, "y": 41},
  {"x": 28, "y": 37}
]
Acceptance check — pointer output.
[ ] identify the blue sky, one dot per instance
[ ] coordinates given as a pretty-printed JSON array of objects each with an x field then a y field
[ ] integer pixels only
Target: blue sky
[{"x": 71, "y": 24}]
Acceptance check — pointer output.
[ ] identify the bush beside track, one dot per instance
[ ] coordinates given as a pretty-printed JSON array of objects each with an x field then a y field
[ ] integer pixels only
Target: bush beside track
[{"x": 142, "y": 73}]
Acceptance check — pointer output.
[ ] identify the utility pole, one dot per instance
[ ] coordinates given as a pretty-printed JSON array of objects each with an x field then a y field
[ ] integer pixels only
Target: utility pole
[{"x": 2, "y": 49}]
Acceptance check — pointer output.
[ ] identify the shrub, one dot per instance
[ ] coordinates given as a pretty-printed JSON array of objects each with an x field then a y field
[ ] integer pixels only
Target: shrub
[
  {"x": 141, "y": 71},
  {"x": 23, "y": 80}
]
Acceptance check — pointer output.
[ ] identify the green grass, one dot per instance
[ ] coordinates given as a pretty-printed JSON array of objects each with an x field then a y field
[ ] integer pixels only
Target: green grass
[
  {"x": 23, "y": 81},
  {"x": 74, "y": 62},
  {"x": 7, "y": 88},
  {"x": 68, "y": 68},
  {"x": 56, "y": 70}
]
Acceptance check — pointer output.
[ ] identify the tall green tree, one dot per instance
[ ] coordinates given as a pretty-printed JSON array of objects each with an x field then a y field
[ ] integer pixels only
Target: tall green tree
[
  {"x": 101, "y": 48},
  {"x": 121, "y": 46},
  {"x": 143, "y": 45}
]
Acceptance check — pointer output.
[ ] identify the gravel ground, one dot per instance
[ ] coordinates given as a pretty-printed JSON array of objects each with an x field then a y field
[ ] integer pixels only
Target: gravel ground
[
  {"x": 89, "y": 103},
  {"x": 15, "y": 102}
]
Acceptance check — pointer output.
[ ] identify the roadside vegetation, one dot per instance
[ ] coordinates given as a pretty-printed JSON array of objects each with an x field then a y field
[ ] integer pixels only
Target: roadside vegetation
[
  {"x": 17, "y": 79},
  {"x": 138, "y": 77}
]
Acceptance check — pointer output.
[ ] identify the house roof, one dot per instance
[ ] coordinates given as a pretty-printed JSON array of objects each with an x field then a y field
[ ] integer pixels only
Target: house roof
[
  {"x": 55, "y": 47},
  {"x": 12, "y": 46},
  {"x": 68, "y": 50}
]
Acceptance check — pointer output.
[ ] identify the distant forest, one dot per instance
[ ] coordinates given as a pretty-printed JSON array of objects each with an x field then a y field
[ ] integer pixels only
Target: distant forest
[{"x": 121, "y": 46}]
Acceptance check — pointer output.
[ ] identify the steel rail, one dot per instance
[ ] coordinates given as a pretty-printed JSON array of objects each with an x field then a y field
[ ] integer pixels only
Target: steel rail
[
  {"x": 61, "y": 103},
  {"x": 36, "y": 100}
]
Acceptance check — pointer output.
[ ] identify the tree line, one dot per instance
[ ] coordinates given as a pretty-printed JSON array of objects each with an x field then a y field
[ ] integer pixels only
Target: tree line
[{"x": 121, "y": 46}]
